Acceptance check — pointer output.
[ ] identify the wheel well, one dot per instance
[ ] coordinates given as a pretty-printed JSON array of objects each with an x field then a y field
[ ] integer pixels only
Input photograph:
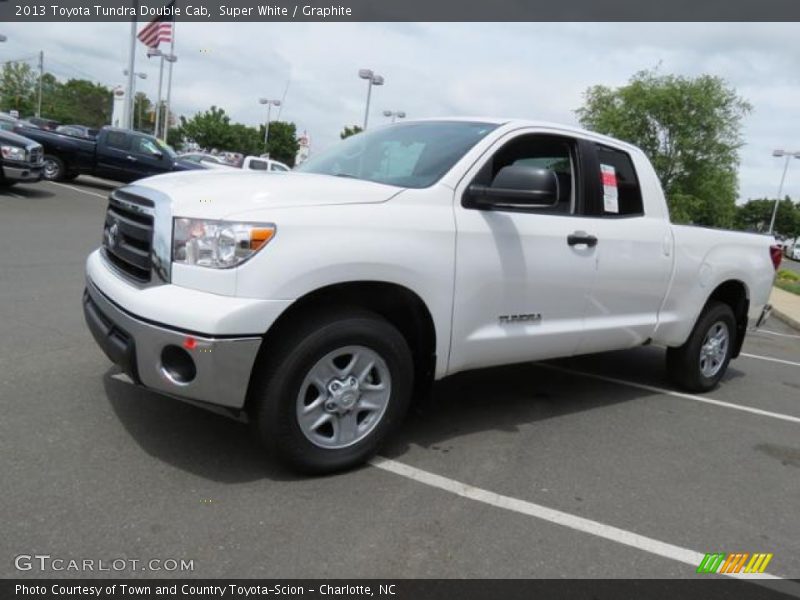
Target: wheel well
[
  {"x": 397, "y": 304},
  {"x": 734, "y": 294}
]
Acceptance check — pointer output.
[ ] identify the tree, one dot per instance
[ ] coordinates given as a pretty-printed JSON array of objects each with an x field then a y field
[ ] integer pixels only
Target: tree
[
  {"x": 210, "y": 129},
  {"x": 19, "y": 87},
  {"x": 755, "y": 215},
  {"x": 351, "y": 130},
  {"x": 691, "y": 130},
  {"x": 283, "y": 144}
]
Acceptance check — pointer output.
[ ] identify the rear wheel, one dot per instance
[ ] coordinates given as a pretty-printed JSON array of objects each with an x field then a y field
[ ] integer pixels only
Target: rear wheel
[
  {"x": 54, "y": 169},
  {"x": 701, "y": 362},
  {"x": 333, "y": 390}
]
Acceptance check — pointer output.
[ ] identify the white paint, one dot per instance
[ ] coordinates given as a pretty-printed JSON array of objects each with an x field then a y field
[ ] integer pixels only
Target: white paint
[
  {"x": 771, "y": 359},
  {"x": 787, "y": 335},
  {"x": 652, "y": 388},
  {"x": 76, "y": 189},
  {"x": 574, "y": 522}
]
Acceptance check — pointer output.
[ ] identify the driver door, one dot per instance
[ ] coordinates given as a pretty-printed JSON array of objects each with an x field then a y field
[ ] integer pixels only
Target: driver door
[
  {"x": 148, "y": 158},
  {"x": 523, "y": 272}
]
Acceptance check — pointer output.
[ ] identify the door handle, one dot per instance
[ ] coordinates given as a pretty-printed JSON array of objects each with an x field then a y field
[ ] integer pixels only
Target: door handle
[
  {"x": 581, "y": 237},
  {"x": 131, "y": 158}
]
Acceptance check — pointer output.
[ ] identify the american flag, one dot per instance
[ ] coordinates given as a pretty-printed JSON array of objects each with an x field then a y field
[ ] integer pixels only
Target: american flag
[{"x": 158, "y": 30}]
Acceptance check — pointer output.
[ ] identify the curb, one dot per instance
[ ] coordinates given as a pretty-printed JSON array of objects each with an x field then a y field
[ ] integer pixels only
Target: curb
[{"x": 789, "y": 320}]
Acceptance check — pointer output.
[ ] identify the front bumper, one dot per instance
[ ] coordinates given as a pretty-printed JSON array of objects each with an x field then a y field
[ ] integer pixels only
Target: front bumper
[
  {"x": 208, "y": 369},
  {"x": 24, "y": 173}
]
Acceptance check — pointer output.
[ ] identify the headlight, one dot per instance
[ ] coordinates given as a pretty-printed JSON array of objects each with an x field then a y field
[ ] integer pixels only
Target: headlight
[
  {"x": 13, "y": 153},
  {"x": 217, "y": 244}
]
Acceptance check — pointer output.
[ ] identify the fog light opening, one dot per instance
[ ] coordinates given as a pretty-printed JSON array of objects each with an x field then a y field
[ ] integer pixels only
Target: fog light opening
[{"x": 177, "y": 365}]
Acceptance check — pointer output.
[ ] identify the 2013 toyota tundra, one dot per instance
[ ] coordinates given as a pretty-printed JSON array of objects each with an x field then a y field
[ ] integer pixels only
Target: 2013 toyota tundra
[{"x": 317, "y": 302}]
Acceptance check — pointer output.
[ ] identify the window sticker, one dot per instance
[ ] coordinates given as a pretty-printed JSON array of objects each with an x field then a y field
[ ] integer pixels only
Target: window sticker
[{"x": 610, "y": 191}]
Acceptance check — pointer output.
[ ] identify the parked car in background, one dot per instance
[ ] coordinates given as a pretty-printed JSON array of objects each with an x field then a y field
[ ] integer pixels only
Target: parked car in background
[
  {"x": 81, "y": 131},
  {"x": 318, "y": 302},
  {"x": 46, "y": 124},
  {"x": 117, "y": 154},
  {"x": 21, "y": 159},
  {"x": 792, "y": 250},
  {"x": 207, "y": 161},
  {"x": 258, "y": 163}
]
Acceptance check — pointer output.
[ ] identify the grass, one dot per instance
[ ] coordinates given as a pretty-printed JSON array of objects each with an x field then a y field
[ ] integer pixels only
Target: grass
[
  {"x": 789, "y": 286},
  {"x": 789, "y": 281}
]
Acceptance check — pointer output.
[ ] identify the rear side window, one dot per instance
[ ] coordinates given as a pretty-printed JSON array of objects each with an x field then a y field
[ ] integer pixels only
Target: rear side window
[
  {"x": 621, "y": 195},
  {"x": 118, "y": 139},
  {"x": 258, "y": 165}
]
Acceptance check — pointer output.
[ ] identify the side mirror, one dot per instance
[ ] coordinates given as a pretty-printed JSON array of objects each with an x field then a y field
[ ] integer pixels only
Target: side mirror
[{"x": 519, "y": 186}]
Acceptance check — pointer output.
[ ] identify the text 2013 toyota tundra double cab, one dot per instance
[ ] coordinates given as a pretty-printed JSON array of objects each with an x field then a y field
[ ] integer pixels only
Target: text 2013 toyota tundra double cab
[{"x": 317, "y": 302}]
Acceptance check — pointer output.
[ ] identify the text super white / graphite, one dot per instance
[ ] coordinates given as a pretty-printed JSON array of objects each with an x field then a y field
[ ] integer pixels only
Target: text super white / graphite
[{"x": 97, "y": 10}]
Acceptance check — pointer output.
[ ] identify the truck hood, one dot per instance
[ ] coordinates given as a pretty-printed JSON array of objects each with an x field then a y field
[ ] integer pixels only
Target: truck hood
[
  {"x": 217, "y": 194},
  {"x": 15, "y": 139}
]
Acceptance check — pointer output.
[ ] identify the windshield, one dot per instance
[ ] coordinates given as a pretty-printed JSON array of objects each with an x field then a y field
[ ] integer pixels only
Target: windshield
[{"x": 413, "y": 155}]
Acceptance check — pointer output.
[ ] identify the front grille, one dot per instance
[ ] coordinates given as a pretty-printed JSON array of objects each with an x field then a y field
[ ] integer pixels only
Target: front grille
[
  {"x": 128, "y": 235},
  {"x": 36, "y": 155}
]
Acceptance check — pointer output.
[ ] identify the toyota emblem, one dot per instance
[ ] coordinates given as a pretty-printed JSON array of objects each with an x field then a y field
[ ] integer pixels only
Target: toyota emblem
[{"x": 111, "y": 235}]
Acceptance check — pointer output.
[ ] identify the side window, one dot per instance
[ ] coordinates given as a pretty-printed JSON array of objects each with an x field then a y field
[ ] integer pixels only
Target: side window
[
  {"x": 258, "y": 165},
  {"x": 552, "y": 153},
  {"x": 118, "y": 139},
  {"x": 146, "y": 146},
  {"x": 622, "y": 195},
  {"x": 277, "y": 167}
]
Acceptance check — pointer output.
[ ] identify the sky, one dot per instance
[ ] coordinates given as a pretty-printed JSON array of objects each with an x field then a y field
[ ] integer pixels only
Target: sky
[{"x": 523, "y": 70}]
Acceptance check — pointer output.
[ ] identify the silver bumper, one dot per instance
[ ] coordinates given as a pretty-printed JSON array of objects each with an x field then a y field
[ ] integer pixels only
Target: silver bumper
[
  {"x": 32, "y": 174},
  {"x": 209, "y": 369}
]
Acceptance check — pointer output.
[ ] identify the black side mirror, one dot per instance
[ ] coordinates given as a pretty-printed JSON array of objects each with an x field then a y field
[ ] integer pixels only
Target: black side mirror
[{"x": 521, "y": 186}]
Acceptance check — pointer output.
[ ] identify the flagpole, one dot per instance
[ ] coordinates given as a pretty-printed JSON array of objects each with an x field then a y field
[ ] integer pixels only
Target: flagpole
[
  {"x": 169, "y": 79},
  {"x": 128, "y": 117}
]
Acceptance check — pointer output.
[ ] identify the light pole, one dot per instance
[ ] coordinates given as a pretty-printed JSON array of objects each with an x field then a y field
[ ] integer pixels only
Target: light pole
[
  {"x": 395, "y": 114},
  {"x": 270, "y": 104},
  {"x": 788, "y": 155},
  {"x": 133, "y": 92},
  {"x": 372, "y": 79},
  {"x": 170, "y": 58}
]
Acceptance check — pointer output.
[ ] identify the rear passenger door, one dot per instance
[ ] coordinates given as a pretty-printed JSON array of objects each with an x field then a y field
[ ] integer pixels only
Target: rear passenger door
[
  {"x": 634, "y": 256},
  {"x": 113, "y": 148}
]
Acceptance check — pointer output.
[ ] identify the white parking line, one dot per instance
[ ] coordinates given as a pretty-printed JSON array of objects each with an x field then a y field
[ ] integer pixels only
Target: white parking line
[
  {"x": 652, "y": 388},
  {"x": 778, "y": 333},
  {"x": 76, "y": 189},
  {"x": 769, "y": 358},
  {"x": 574, "y": 522}
]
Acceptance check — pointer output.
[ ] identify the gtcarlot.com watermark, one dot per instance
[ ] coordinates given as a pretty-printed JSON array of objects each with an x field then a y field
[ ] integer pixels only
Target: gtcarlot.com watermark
[{"x": 48, "y": 563}]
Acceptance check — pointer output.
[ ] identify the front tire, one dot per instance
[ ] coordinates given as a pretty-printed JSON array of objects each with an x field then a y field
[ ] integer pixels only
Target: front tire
[
  {"x": 54, "y": 169},
  {"x": 333, "y": 390},
  {"x": 700, "y": 364}
]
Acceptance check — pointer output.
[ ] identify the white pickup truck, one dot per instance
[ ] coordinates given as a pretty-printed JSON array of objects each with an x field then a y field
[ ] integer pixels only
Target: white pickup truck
[{"x": 317, "y": 302}]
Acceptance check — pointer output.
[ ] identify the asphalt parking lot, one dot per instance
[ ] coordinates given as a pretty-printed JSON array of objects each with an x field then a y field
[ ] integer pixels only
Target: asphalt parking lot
[{"x": 587, "y": 467}]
